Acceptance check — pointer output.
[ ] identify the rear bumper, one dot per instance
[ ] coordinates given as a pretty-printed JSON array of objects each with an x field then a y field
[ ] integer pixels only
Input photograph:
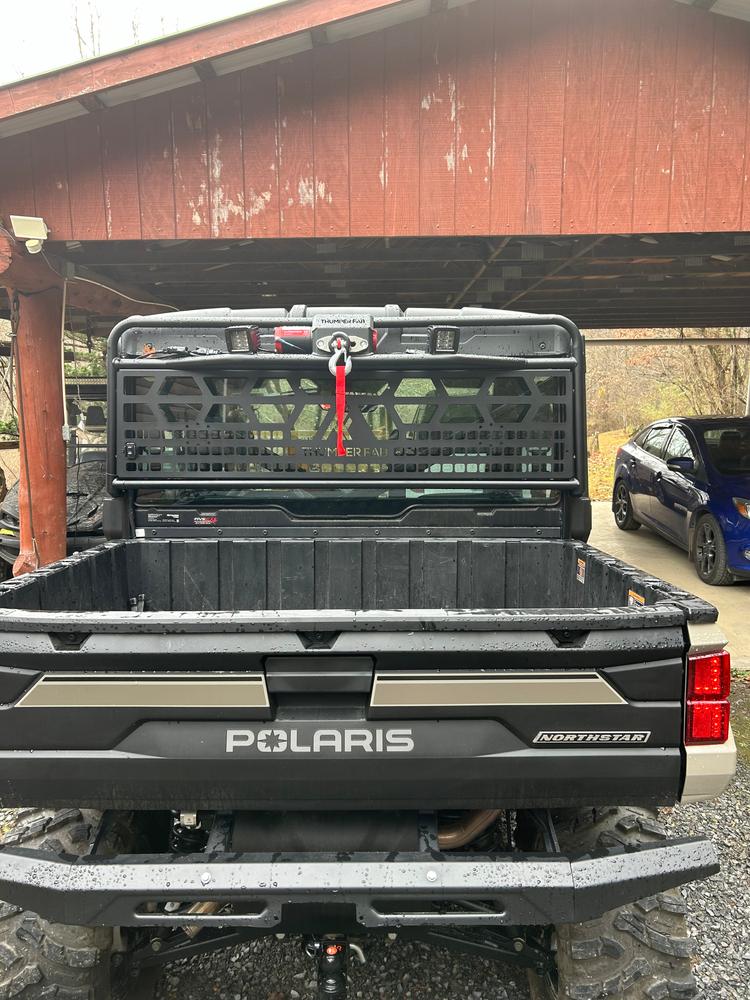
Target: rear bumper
[
  {"x": 381, "y": 890},
  {"x": 526, "y": 778}
]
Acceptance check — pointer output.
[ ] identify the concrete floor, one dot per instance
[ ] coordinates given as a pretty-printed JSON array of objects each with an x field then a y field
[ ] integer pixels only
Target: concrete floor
[{"x": 653, "y": 554}]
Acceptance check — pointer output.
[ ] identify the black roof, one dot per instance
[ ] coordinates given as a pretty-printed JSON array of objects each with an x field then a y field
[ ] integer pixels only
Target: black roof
[{"x": 712, "y": 421}]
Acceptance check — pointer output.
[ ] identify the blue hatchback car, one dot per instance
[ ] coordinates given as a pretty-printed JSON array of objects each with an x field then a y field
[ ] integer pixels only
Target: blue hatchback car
[{"x": 689, "y": 480}]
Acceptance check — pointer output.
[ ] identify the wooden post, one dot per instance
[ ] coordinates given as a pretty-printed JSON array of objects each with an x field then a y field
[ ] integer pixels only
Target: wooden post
[
  {"x": 36, "y": 293},
  {"x": 42, "y": 481}
]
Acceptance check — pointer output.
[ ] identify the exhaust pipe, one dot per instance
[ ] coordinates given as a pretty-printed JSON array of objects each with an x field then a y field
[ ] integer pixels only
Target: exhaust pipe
[
  {"x": 192, "y": 930},
  {"x": 463, "y": 831}
]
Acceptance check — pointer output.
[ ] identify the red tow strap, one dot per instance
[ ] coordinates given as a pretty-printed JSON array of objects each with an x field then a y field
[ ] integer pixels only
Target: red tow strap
[{"x": 340, "y": 409}]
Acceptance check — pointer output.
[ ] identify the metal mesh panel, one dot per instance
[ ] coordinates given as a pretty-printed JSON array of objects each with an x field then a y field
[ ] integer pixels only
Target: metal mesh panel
[{"x": 458, "y": 425}]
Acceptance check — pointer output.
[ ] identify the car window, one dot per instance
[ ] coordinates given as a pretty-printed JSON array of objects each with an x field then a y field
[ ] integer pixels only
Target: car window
[
  {"x": 729, "y": 448},
  {"x": 655, "y": 441},
  {"x": 679, "y": 446}
]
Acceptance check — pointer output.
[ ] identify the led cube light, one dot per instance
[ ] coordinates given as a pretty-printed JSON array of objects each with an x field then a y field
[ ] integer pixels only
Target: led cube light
[
  {"x": 243, "y": 339},
  {"x": 444, "y": 339}
]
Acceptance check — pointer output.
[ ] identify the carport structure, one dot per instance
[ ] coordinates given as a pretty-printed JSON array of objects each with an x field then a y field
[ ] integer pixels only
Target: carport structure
[{"x": 581, "y": 156}]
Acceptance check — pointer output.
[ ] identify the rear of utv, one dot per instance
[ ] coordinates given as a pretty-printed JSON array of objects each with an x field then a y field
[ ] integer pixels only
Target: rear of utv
[{"x": 347, "y": 666}]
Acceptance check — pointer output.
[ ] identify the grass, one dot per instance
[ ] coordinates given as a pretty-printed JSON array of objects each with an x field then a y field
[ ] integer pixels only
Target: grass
[
  {"x": 602, "y": 461},
  {"x": 741, "y": 714}
]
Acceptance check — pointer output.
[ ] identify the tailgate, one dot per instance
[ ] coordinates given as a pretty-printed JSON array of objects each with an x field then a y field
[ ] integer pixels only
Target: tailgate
[{"x": 428, "y": 709}]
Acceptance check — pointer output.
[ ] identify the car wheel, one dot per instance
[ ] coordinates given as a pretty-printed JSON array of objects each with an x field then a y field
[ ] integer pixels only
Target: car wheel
[
  {"x": 622, "y": 508},
  {"x": 710, "y": 553}
]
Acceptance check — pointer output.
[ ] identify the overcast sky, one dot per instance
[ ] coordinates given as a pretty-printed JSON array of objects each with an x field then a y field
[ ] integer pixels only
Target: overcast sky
[{"x": 40, "y": 35}]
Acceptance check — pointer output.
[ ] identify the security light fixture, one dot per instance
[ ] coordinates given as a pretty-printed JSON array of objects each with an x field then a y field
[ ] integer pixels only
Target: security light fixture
[{"x": 30, "y": 228}]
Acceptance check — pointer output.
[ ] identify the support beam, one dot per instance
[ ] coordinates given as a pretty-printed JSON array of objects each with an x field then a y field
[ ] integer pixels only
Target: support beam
[
  {"x": 42, "y": 482},
  {"x": 36, "y": 293},
  {"x": 26, "y": 273}
]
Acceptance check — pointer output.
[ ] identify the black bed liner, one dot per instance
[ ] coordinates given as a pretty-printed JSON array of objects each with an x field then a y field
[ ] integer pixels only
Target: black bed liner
[{"x": 369, "y": 582}]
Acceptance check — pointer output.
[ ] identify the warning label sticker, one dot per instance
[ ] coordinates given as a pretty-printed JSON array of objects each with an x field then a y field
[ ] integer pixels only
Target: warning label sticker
[
  {"x": 581, "y": 570},
  {"x": 635, "y": 600}
]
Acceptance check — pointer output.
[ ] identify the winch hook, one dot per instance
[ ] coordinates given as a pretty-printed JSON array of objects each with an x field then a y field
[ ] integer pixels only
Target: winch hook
[{"x": 339, "y": 365}]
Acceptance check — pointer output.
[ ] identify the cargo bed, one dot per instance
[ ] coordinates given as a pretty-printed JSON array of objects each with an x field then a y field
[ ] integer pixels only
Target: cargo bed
[
  {"x": 374, "y": 573},
  {"x": 151, "y": 673}
]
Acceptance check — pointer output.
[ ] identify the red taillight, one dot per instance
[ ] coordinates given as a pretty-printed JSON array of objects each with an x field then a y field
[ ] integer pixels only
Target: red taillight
[
  {"x": 709, "y": 676},
  {"x": 707, "y": 717},
  {"x": 708, "y": 722}
]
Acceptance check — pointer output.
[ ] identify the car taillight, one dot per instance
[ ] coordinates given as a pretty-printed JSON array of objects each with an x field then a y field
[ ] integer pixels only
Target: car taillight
[{"x": 707, "y": 716}]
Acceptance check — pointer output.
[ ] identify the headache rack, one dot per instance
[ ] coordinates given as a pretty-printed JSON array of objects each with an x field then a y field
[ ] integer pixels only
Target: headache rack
[{"x": 473, "y": 417}]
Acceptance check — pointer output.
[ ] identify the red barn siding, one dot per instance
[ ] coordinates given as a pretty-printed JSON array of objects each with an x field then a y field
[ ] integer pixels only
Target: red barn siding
[
  {"x": 498, "y": 117},
  {"x": 510, "y": 117}
]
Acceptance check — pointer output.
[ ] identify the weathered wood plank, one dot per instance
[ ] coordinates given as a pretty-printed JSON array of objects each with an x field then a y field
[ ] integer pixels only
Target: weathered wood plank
[
  {"x": 437, "y": 129},
  {"x": 367, "y": 135},
  {"x": 296, "y": 166},
  {"x": 402, "y": 97},
  {"x": 511, "y": 101},
  {"x": 16, "y": 179},
  {"x": 226, "y": 175},
  {"x": 260, "y": 130},
  {"x": 655, "y": 116},
  {"x": 331, "y": 139},
  {"x": 122, "y": 198},
  {"x": 191, "y": 191},
  {"x": 50, "y": 172},
  {"x": 746, "y": 170},
  {"x": 583, "y": 121},
  {"x": 474, "y": 106},
  {"x": 727, "y": 165},
  {"x": 617, "y": 122},
  {"x": 153, "y": 117},
  {"x": 544, "y": 165},
  {"x": 85, "y": 178},
  {"x": 692, "y": 121}
]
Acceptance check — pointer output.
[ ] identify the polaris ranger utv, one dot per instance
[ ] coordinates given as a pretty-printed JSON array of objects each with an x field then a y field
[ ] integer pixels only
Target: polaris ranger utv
[{"x": 347, "y": 666}]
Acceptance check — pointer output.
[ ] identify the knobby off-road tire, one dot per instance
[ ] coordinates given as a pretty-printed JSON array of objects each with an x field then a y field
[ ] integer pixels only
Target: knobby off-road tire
[
  {"x": 639, "y": 952},
  {"x": 45, "y": 961}
]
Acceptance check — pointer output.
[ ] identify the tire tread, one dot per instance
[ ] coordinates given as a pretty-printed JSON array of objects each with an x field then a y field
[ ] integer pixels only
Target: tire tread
[
  {"x": 40, "y": 960},
  {"x": 639, "y": 952}
]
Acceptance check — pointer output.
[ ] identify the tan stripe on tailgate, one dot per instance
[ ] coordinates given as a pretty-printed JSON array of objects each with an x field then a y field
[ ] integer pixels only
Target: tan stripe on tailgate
[
  {"x": 162, "y": 690},
  {"x": 586, "y": 687}
]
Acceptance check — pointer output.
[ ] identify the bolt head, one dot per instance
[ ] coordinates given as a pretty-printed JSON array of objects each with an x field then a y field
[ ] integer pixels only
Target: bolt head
[
  {"x": 431, "y": 876},
  {"x": 205, "y": 878}
]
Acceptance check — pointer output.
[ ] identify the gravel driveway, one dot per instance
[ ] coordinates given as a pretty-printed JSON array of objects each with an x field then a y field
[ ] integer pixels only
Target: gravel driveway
[{"x": 277, "y": 970}]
